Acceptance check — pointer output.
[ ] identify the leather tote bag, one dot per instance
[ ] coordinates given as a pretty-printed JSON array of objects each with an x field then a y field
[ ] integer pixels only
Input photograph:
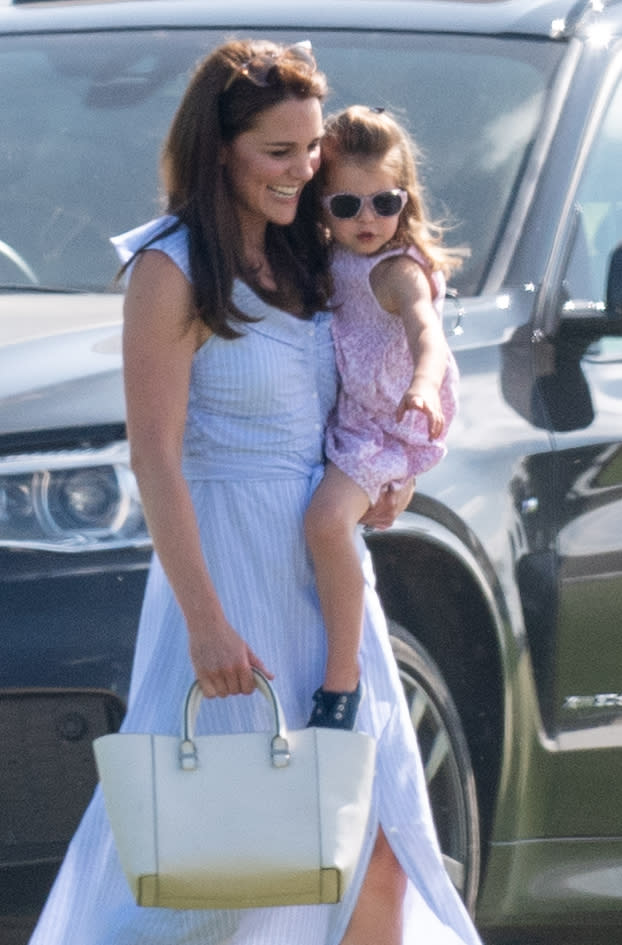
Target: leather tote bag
[{"x": 241, "y": 820}]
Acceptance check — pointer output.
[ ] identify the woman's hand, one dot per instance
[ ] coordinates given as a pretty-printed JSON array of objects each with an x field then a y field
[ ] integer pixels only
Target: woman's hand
[
  {"x": 223, "y": 663},
  {"x": 391, "y": 503}
]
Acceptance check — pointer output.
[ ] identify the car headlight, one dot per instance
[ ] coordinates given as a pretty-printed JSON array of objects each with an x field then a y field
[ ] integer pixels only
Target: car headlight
[{"x": 74, "y": 500}]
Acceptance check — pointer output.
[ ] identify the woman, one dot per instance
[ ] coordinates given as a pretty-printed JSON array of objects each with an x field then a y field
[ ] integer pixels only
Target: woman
[{"x": 229, "y": 374}]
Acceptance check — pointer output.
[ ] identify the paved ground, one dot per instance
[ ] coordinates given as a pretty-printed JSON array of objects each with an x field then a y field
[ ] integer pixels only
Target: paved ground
[
  {"x": 547, "y": 937},
  {"x": 16, "y": 932}
]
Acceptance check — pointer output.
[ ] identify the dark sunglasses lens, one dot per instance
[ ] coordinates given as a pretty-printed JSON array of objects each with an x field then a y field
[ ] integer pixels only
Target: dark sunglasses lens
[
  {"x": 260, "y": 70},
  {"x": 263, "y": 69},
  {"x": 344, "y": 206},
  {"x": 388, "y": 203}
]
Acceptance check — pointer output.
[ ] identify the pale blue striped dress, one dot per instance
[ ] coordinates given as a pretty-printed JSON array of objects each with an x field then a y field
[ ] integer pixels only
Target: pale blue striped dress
[{"x": 253, "y": 454}]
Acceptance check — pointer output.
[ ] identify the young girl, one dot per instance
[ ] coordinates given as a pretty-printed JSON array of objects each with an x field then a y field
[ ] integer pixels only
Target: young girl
[{"x": 398, "y": 378}]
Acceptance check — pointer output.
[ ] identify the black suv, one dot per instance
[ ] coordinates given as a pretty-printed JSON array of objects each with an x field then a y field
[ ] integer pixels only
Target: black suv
[{"x": 503, "y": 581}]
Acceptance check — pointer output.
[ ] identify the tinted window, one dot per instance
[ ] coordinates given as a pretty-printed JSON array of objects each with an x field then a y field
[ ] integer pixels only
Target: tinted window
[
  {"x": 599, "y": 203},
  {"x": 83, "y": 118}
]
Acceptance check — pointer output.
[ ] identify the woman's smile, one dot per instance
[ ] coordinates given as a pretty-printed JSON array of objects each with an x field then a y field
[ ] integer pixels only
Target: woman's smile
[
  {"x": 269, "y": 164},
  {"x": 287, "y": 193}
]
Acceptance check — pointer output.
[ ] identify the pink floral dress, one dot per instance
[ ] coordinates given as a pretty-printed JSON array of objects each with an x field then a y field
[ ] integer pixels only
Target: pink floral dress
[{"x": 364, "y": 438}]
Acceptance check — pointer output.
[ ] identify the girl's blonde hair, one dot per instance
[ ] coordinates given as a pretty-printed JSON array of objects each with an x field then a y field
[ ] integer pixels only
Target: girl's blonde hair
[{"x": 360, "y": 134}]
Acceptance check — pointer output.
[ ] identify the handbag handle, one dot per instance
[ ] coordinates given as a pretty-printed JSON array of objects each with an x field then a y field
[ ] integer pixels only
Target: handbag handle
[{"x": 279, "y": 746}]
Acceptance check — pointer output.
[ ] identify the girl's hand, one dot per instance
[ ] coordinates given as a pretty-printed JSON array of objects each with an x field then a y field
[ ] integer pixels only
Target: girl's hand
[
  {"x": 223, "y": 662},
  {"x": 426, "y": 398},
  {"x": 391, "y": 503}
]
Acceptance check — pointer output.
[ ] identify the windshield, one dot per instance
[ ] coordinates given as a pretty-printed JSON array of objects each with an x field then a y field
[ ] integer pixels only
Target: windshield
[{"x": 84, "y": 117}]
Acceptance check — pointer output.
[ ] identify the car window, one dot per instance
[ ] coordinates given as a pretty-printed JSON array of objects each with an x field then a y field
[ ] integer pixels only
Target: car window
[
  {"x": 599, "y": 209},
  {"x": 473, "y": 105},
  {"x": 84, "y": 116}
]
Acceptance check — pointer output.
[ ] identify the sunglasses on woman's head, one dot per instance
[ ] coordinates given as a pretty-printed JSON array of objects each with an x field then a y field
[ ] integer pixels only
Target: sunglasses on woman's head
[
  {"x": 385, "y": 203},
  {"x": 260, "y": 68}
]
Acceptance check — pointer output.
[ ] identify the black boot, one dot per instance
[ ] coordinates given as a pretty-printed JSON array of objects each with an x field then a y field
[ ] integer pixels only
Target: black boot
[{"x": 335, "y": 709}]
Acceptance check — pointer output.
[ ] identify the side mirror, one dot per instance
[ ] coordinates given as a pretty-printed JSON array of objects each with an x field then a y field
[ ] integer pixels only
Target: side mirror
[
  {"x": 592, "y": 320},
  {"x": 614, "y": 285}
]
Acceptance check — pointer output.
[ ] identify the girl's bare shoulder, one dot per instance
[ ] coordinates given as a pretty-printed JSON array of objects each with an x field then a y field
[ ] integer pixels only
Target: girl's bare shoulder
[{"x": 398, "y": 277}]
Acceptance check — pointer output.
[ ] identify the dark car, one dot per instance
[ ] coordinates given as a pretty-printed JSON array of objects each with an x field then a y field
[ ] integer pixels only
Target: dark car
[{"x": 503, "y": 580}]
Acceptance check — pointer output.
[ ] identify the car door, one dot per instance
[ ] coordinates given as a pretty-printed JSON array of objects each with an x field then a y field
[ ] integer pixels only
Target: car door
[{"x": 583, "y": 398}]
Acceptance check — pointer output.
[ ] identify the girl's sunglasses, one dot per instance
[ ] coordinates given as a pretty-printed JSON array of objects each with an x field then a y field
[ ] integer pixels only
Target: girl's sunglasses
[{"x": 386, "y": 203}]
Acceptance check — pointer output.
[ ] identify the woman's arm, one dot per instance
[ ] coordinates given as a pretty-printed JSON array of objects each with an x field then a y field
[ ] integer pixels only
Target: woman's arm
[{"x": 159, "y": 342}]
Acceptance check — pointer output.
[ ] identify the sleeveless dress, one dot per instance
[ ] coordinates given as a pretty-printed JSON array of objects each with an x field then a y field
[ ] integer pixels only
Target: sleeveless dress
[
  {"x": 253, "y": 454},
  {"x": 363, "y": 437}
]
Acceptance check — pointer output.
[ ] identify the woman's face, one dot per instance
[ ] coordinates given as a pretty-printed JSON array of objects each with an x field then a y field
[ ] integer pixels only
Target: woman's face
[{"x": 268, "y": 166}]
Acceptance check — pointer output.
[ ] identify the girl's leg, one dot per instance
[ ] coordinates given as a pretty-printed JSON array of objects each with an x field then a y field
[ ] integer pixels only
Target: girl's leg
[
  {"x": 335, "y": 508},
  {"x": 378, "y": 915}
]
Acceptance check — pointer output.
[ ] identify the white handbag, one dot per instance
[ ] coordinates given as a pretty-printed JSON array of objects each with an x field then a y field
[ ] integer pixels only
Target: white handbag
[{"x": 240, "y": 820}]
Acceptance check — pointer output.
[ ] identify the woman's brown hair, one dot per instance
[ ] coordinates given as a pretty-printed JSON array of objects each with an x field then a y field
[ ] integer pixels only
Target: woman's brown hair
[{"x": 224, "y": 99}]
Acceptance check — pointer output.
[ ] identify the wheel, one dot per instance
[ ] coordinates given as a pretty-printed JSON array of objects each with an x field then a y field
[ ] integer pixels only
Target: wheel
[{"x": 447, "y": 765}]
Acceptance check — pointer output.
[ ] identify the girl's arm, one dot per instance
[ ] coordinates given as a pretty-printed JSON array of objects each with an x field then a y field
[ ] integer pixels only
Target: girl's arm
[
  {"x": 159, "y": 342},
  {"x": 402, "y": 288}
]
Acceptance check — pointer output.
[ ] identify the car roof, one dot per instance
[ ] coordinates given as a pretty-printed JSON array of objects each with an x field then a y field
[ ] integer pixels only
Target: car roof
[{"x": 546, "y": 18}]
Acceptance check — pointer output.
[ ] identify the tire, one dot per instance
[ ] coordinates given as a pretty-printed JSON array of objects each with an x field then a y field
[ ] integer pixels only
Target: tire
[{"x": 446, "y": 761}]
